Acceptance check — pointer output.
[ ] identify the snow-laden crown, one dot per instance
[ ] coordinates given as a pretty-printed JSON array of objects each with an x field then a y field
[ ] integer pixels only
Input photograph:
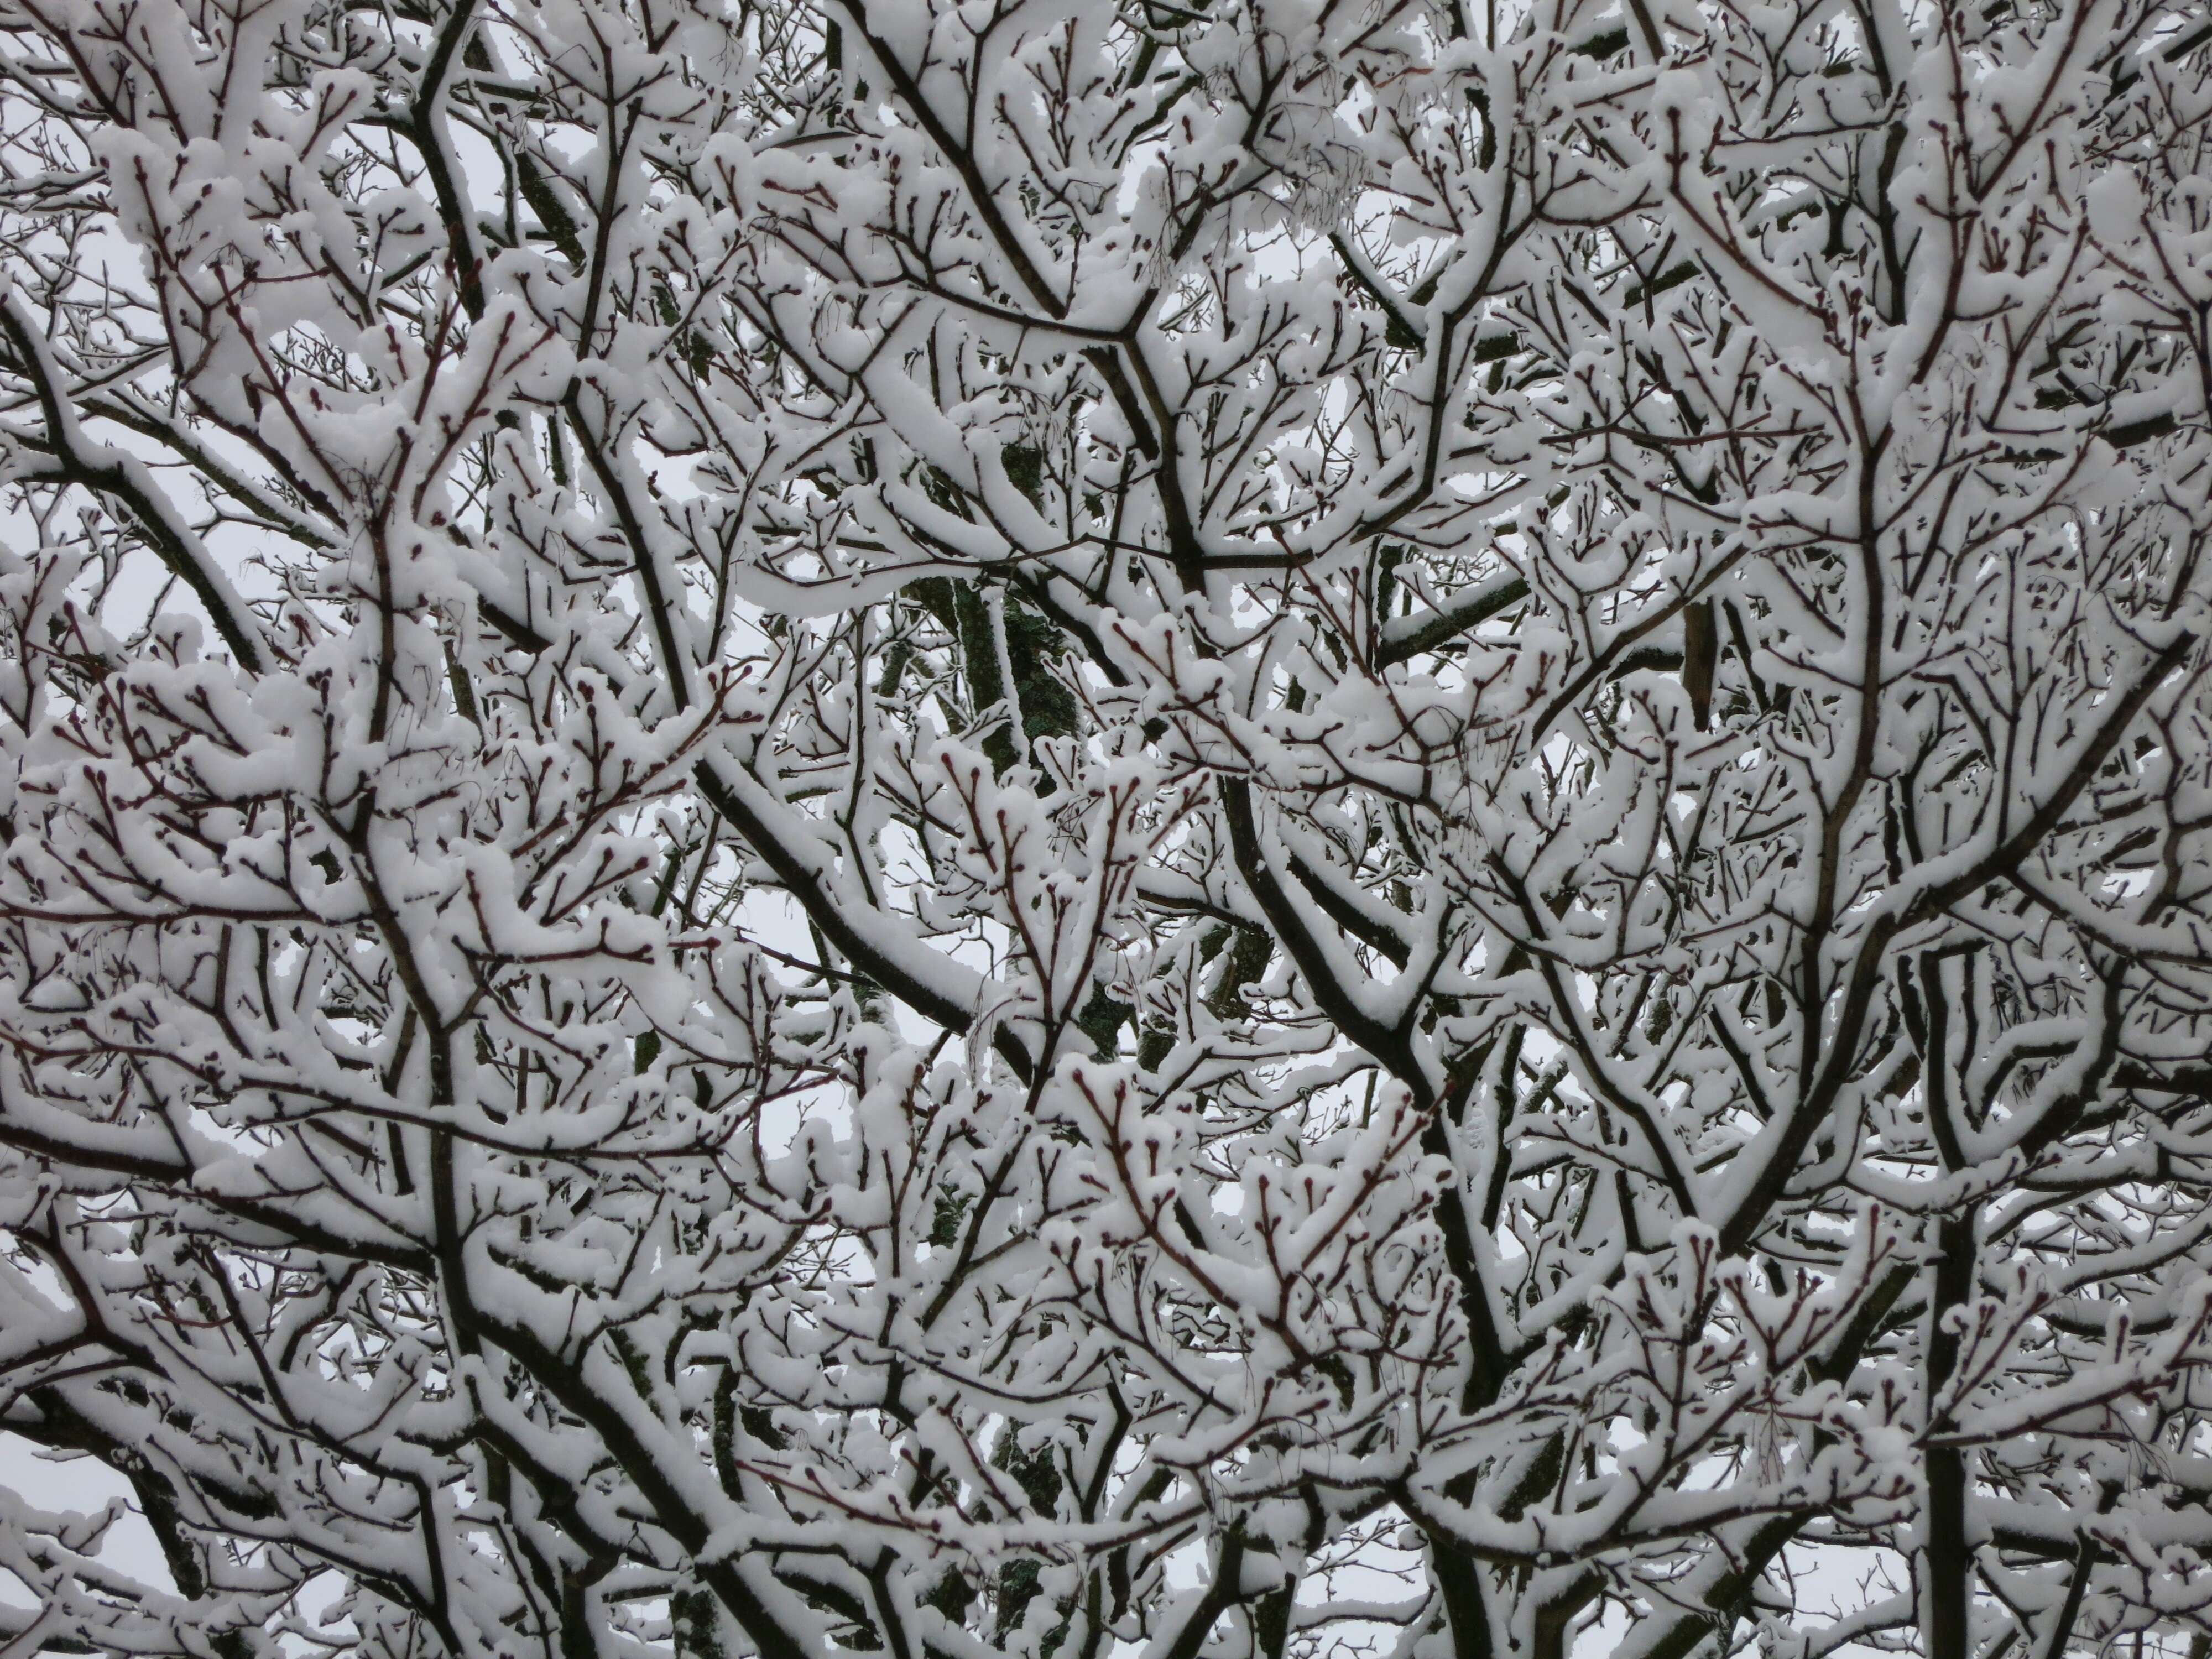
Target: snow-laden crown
[{"x": 1079, "y": 828}]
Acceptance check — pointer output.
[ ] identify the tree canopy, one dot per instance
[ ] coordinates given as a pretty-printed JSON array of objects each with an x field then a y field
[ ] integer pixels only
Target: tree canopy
[{"x": 1079, "y": 829}]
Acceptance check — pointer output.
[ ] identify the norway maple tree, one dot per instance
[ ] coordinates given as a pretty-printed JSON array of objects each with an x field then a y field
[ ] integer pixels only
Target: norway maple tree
[{"x": 1089, "y": 828}]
